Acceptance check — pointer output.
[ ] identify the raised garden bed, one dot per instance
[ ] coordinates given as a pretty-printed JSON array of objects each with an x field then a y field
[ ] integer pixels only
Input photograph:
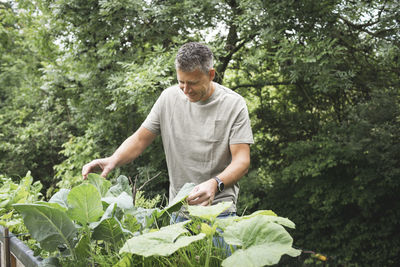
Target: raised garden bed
[{"x": 14, "y": 253}]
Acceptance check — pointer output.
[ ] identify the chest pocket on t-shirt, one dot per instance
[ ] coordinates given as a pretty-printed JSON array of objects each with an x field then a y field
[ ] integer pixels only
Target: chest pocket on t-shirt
[{"x": 220, "y": 130}]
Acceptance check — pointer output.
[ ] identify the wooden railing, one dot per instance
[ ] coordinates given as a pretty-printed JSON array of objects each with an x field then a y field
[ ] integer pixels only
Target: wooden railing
[{"x": 14, "y": 253}]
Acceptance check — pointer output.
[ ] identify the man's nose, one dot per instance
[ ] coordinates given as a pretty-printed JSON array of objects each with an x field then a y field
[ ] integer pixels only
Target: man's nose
[{"x": 185, "y": 88}]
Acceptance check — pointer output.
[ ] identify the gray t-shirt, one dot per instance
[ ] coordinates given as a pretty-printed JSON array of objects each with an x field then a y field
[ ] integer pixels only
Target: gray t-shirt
[{"x": 196, "y": 136}]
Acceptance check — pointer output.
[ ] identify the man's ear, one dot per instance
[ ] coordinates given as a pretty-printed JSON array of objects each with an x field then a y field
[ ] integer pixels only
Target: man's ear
[{"x": 211, "y": 74}]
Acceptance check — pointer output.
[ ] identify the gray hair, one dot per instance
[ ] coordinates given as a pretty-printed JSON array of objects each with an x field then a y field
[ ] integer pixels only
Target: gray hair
[{"x": 192, "y": 56}]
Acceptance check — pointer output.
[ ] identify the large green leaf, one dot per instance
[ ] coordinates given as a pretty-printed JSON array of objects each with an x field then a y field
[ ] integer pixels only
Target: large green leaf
[
  {"x": 163, "y": 217},
  {"x": 61, "y": 197},
  {"x": 262, "y": 242},
  {"x": 52, "y": 205},
  {"x": 270, "y": 215},
  {"x": 122, "y": 185},
  {"x": 161, "y": 243},
  {"x": 103, "y": 185},
  {"x": 110, "y": 211},
  {"x": 222, "y": 223},
  {"x": 183, "y": 193},
  {"x": 109, "y": 227},
  {"x": 261, "y": 212},
  {"x": 85, "y": 204},
  {"x": 50, "y": 226},
  {"x": 82, "y": 249},
  {"x": 109, "y": 230},
  {"x": 146, "y": 217},
  {"x": 123, "y": 200},
  {"x": 209, "y": 212}
]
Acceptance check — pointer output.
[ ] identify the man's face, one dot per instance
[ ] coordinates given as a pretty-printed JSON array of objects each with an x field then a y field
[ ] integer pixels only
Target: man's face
[{"x": 196, "y": 85}]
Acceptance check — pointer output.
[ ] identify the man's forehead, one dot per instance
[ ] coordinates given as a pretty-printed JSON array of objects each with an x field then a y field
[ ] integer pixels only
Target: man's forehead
[{"x": 193, "y": 75}]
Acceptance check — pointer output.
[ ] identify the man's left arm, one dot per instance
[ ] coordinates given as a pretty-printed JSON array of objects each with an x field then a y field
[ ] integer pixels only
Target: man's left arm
[{"x": 204, "y": 193}]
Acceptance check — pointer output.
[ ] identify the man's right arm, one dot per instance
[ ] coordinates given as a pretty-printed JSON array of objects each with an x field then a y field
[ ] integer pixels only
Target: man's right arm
[{"x": 128, "y": 151}]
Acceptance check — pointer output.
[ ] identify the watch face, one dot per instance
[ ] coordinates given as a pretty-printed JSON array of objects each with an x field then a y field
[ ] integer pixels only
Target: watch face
[{"x": 221, "y": 186}]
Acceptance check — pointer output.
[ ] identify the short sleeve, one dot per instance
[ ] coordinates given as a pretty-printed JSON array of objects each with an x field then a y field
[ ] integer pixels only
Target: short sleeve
[
  {"x": 241, "y": 132},
  {"x": 153, "y": 120}
]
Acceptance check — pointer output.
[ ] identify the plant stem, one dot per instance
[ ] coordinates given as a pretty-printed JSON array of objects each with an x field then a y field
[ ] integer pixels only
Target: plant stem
[
  {"x": 72, "y": 252},
  {"x": 232, "y": 249},
  {"x": 183, "y": 253},
  {"x": 207, "y": 264}
]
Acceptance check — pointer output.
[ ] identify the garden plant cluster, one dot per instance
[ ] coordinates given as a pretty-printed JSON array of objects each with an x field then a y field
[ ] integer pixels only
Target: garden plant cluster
[{"x": 97, "y": 224}]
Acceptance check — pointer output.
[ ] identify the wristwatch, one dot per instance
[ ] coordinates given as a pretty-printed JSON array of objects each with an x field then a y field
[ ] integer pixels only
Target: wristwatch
[{"x": 220, "y": 184}]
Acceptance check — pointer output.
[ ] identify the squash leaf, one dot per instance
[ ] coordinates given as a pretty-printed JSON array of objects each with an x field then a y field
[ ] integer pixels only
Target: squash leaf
[
  {"x": 183, "y": 193},
  {"x": 262, "y": 242},
  {"x": 209, "y": 212},
  {"x": 175, "y": 205},
  {"x": 161, "y": 243}
]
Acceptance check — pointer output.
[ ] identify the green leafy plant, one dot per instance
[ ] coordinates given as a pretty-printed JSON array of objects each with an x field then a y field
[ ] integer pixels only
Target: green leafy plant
[
  {"x": 13, "y": 192},
  {"x": 26, "y": 191},
  {"x": 95, "y": 218}
]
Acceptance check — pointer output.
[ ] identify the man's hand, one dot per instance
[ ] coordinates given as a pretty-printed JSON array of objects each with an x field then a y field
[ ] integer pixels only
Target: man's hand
[
  {"x": 203, "y": 194},
  {"x": 129, "y": 150},
  {"x": 104, "y": 166}
]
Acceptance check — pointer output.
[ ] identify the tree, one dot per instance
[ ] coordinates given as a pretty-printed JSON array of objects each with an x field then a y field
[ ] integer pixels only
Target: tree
[
  {"x": 31, "y": 124},
  {"x": 326, "y": 131},
  {"x": 321, "y": 79}
]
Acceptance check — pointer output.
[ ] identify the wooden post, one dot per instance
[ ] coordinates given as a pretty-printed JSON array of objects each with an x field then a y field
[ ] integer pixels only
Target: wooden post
[{"x": 7, "y": 254}]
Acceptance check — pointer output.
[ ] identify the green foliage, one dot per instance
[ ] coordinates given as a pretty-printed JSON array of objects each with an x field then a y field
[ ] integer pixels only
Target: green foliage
[
  {"x": 321, "y": 79},
  {"x": 84, "y": 204},
  {"x": 78, "y": 151},
  {"x": 325, "y": 108},
  {"x": 26, "y": 134},
  {"x": 70, "y": 223},
  {"x": 163, "y": 242},
  {"x": 209, "y": 213},
  {"x": 54, "y": 224},
  {"x": 49, "y": 225},
  {"x": 262, "y": 242},
  {"x": 12, "y": 193}
]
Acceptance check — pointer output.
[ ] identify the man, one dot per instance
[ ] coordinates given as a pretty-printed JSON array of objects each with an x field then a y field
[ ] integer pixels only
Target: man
[{"x": 205, "y": 130}]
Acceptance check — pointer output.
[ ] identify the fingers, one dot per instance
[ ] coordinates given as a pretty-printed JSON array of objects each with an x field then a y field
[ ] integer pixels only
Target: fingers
[
  {"x": 205, "y": 202},
  {"x": 99, "y": 165},
  {"x": 86, "y": 169},
  {"x": 193, "y": 195},
  {"x": 200, "y": 196},
  {"x": 105, "y": 172}
]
